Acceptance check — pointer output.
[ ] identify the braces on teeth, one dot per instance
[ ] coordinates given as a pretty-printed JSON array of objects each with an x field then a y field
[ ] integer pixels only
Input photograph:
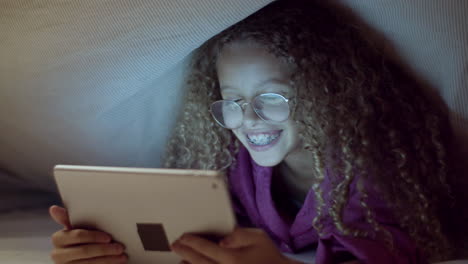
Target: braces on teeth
[{"x": 261, "y": 140}]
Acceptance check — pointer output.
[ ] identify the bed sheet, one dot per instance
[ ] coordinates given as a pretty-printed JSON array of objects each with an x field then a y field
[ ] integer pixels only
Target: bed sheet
[{"x": 25, "y": 236}]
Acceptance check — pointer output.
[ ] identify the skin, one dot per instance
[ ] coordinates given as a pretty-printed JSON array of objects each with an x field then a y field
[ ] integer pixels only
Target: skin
[
  {"x": 80, "y": 246},
  {"x": 245, "y": 70},
  {"x": 243, "y": 245},
  {"x": 242, "y": 71}
]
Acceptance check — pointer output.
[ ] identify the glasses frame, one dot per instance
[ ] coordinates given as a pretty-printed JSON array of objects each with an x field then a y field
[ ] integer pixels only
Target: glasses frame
[{"x": 243, "y": 105}]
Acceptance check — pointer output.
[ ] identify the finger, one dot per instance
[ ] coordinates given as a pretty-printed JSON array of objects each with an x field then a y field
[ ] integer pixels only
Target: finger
[
  {"x": 67, "y": 238},
  {"x": 60, "y": 215},
  {"x": 65, "y": 255},
  {"x": 206, "y": 248},
  {"x": 120, "y": 259},
  {"x": 242, "y": 237},
  {"x": 190, "y": 255}
]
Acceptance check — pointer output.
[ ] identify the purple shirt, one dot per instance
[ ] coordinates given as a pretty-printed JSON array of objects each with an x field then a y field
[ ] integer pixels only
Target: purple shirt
[{"x": 251, "y": 185}]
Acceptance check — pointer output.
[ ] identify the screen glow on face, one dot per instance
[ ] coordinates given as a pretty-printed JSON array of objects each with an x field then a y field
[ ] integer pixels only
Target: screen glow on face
[{"x": 252, "y": 78}]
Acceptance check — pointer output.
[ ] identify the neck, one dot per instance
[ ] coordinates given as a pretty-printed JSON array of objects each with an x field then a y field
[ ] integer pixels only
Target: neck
[
  {"x": 298, "y": 165},
  {"x": 296, "y": 174}
]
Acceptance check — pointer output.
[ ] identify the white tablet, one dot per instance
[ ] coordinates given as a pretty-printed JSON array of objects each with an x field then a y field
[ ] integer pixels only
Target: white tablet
[{"x": 146, "y": 209}]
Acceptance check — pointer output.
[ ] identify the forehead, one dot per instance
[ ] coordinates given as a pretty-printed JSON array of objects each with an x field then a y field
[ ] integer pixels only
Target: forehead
[{"x": 246, "y": 66}]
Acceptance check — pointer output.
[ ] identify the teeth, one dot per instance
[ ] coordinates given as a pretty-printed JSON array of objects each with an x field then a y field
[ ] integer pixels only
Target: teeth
[{"x": 261, "y": 139}]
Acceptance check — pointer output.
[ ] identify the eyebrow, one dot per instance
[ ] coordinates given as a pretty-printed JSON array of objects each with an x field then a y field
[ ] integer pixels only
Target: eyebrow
[{"x": 263, "y": 83}]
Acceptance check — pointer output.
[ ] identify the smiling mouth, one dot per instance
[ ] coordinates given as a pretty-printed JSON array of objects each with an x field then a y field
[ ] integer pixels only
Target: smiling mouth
[{"x": 264, "y": 138}]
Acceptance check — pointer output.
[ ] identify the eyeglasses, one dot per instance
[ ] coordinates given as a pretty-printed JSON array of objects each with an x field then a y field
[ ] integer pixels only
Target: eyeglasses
[{"x": 270, "y": 107}]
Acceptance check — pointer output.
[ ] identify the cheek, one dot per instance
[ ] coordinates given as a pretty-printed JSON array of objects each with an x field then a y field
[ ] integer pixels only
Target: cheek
[
  {"x": 293, "y": 133},
  {"x": 238, "y": 134},
  {"x": 231, "y": 118}
]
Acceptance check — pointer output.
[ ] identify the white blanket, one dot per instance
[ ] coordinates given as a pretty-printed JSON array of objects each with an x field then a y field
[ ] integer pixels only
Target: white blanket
[
  {"x": 25, "y": 237},
  {"x": 98, "y": 82}
]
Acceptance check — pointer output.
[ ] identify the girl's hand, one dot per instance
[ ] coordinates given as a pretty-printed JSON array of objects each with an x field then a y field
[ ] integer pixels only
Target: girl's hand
[
  {"x": 243, "y": 245},
  {"x": 81, "y": 246}
]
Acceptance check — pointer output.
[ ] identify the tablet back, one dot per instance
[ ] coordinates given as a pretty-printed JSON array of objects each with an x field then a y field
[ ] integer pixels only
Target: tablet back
[{"x": 146, "y": 209}]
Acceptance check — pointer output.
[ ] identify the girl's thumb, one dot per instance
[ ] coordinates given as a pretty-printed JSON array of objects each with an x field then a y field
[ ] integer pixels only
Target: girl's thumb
[{"x": 60, "y": 215}]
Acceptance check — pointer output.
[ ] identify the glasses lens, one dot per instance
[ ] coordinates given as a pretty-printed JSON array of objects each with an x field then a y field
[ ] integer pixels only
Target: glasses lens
[
  {"x": 227, "y": 113},
  {"x": 272, "y": 107}
]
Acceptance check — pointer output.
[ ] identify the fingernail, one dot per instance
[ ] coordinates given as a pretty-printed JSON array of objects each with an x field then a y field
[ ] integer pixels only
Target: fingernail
[{"x": 119, "y": 247}]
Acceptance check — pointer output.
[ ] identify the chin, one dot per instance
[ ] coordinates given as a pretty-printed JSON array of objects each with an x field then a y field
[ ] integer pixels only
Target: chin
[{"x": 264, "y": 161}]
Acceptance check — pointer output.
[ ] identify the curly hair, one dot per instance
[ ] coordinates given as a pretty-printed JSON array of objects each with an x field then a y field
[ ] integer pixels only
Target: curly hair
[{"x": 357, "y": 113}]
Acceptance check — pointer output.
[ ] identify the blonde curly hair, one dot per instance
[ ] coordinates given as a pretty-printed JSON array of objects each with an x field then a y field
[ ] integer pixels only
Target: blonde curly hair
[{"x": 356, "y": 112}]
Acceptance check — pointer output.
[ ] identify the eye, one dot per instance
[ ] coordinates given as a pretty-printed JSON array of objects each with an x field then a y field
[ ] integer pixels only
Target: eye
[
  {"x": 236, "y": 100},
  {"x": 272, "y": 99}
]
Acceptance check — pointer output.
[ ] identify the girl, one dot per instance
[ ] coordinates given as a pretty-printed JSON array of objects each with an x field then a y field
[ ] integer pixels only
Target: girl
[{"x": 326, "y": 145}]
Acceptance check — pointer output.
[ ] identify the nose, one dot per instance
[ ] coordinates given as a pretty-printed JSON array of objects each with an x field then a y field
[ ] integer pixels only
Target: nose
[{"x": 250, "y": 117}]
